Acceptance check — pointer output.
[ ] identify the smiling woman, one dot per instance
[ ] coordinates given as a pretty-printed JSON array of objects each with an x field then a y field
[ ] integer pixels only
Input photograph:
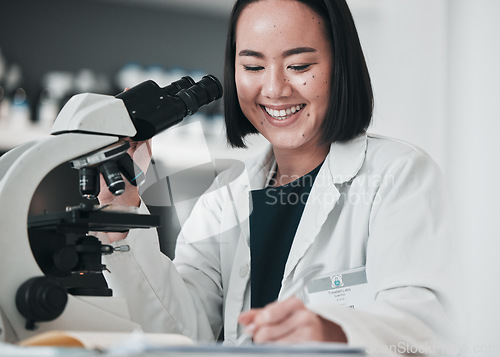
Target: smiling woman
[
  {"x": 342, "y": 70},
  {"x": 280, "y": 67},
  {"x": 371, "y": 210}
]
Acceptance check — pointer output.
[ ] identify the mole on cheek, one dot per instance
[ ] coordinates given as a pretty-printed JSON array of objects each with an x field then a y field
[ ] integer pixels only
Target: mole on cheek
[
  {"x": 261, "y": 123},
  {"x": 304, "y": 83}
]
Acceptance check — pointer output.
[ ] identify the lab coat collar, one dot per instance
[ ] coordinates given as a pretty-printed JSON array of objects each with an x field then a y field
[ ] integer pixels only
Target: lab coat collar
[
  {"x": 343, "y": 162},
  {"x": 261, "y": 173},
  {"x": 345, "y": 159}
]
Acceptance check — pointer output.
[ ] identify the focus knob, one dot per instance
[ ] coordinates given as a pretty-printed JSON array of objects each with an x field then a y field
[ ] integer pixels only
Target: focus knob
[{"x": 40, "y": 299}]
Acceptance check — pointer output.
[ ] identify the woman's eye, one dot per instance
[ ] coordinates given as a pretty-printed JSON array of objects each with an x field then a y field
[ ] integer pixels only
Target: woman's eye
[
  {"x": 300, "y": 68},
  {"x": 253, "y": 68}
]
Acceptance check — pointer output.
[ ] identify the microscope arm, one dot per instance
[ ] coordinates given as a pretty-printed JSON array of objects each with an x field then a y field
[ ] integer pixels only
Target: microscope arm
[{"x": 87, "y": 123}]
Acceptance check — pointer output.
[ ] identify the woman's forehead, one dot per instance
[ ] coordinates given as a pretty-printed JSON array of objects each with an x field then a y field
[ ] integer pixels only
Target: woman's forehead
[{"x": 275, "y": 20}]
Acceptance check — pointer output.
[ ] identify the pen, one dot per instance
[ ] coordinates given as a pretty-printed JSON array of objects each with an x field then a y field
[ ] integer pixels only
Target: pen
[{"x": 298, "y": 284}]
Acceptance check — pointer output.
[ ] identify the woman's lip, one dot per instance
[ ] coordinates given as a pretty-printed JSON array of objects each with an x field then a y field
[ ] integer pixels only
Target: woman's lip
[
  {"x": 282, "y": 122},
  {"x": 292, "y": 107}
]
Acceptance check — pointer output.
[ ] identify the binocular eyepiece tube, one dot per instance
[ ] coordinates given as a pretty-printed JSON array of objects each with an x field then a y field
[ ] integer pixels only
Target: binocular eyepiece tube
[{"x": 154, "y": 109}]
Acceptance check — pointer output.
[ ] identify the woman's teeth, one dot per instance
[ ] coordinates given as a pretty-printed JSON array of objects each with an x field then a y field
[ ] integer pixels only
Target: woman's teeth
[{"x": 284, "y": 113}]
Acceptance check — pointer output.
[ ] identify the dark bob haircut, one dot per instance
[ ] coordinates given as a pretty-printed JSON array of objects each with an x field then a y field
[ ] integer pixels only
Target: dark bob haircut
[{"x": 351, "y": 96}]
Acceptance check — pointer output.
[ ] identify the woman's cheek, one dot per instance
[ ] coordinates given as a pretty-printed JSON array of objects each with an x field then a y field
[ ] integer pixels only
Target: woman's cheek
[{"x": 245, "y": 86}]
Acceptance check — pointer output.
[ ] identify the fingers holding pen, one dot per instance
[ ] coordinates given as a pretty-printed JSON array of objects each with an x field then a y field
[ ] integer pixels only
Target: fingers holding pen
[
  {"x": 247, "y": 318},
  {"x": 275, "y": 322},
  {"x": 277, "y": 312},
  {"x": 290, "y": 321}
]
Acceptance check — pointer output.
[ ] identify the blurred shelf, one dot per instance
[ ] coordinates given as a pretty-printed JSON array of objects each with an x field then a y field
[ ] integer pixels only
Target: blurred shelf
[
  {"x": 12, "y": 137},
  {"x": 203, "y": 7},
  {"x": 187, "y": 146}
]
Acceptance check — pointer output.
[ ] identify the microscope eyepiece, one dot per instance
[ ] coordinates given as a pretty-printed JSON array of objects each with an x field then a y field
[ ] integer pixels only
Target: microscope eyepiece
[
  {"x": 147, "y": 90},
  {"x": 154, "y": 109},
  {"x": 203, "y": 92},
  {"x": 175, "y": 87}
]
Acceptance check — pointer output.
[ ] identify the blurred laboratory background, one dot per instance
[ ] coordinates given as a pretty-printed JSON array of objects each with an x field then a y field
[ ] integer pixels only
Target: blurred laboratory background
[{"x": 434, "y": 67}]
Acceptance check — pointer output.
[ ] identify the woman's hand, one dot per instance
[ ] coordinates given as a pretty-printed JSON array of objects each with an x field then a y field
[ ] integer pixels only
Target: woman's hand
[
  {"x": 290, "y": 321},
  {"x": 140, "y": 152}
]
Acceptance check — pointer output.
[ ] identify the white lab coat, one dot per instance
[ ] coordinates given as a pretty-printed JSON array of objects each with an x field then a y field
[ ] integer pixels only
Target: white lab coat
[{"x": 376, "y": 203}]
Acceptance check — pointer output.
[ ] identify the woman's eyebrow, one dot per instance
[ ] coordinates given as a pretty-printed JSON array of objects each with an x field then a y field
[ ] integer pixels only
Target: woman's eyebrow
[
  {"x": 297, "y": 50},
  {"x": 250, "y": 53},
  {"x": 287, "y": 53}
]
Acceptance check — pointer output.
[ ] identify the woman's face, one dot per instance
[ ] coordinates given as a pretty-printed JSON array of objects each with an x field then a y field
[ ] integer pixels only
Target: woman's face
[{"x": 283, "y": 67}]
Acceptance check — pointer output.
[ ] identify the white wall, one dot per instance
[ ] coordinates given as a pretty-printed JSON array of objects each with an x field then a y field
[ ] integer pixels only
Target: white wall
[
  {"x": 474, "y": 161},
  {"x": 435, "y": 66},
  {"x": 405, "y": 47}
]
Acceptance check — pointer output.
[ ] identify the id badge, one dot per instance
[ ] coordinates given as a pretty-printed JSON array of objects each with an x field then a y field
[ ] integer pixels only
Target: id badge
[{"x": 348, "y": 288}]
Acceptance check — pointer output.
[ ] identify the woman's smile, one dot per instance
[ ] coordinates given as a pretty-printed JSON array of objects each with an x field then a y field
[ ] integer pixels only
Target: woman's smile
[{"x": 282, "y": 116}]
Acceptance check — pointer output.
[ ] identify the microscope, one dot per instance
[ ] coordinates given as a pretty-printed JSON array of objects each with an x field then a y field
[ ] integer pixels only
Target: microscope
[{"x": 50, "y": 263}]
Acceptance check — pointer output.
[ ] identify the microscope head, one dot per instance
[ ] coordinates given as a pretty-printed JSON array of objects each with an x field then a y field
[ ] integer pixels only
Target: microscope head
[{"x": 151, "y": 109}]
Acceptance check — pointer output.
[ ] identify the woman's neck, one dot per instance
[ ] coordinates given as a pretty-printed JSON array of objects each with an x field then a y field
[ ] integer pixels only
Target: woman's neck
[{"x": 292, "y": 164}]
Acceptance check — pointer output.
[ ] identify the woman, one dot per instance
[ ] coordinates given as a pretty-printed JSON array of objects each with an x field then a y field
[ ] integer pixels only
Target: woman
[{"x": 370, "y": 209}]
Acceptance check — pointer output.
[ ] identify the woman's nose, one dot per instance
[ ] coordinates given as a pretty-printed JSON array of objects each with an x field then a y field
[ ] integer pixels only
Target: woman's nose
[{"x": 275, "y": 85}]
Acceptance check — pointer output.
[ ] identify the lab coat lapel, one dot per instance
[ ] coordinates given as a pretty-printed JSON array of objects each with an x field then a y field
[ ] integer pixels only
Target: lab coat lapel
[
  {"x": 341, "y": 165},
  {"x": 313, "y": 217},
  {"x": 238, "y": 296}
]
